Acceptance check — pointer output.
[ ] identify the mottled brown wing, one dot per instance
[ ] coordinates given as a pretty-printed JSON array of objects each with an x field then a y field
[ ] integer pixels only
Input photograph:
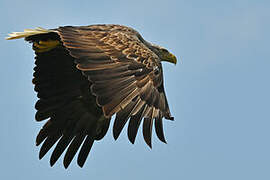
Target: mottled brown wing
[{"x": 126, "y": 76}]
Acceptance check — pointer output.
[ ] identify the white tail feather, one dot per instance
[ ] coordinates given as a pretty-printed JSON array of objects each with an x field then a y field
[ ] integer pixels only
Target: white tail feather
[{"x": 28, "y": 32}]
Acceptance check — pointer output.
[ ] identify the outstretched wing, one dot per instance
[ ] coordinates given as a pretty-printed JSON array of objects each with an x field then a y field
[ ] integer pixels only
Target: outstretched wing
[
  {"x": 64, "y": 98},
  {"x": 126, "y": 76}
]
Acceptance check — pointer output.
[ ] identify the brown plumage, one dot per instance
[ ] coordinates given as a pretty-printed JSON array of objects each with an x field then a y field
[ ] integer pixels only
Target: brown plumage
[{"x": 84, "y": 75}]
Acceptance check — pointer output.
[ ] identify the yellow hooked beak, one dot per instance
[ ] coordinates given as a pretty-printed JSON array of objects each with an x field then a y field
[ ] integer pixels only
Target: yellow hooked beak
[
  {"x": 173, "y": 58},
  {"x": 169, "y": 57}
]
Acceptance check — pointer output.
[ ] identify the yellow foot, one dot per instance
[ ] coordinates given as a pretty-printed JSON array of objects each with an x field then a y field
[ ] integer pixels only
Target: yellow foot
[{"x": 44, "y": 46}]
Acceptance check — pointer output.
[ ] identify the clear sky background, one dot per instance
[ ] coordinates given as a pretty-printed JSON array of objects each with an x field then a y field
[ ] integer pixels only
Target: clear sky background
[{"x": 219, "y": 94}]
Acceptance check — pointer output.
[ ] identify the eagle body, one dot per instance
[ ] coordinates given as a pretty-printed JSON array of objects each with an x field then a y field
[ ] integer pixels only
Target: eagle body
[{"x": 84, "y": 75}]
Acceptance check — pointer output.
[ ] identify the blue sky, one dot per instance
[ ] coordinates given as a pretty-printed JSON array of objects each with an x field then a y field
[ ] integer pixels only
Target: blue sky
[{"x": 219, "y": 94}]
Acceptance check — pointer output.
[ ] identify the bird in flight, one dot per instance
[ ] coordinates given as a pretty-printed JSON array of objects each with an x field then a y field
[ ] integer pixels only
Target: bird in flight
[{"x": 83, "y": 75}]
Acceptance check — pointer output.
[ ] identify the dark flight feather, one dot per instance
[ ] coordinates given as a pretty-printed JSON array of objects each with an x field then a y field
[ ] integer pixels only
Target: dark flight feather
[{"x": 134, "y": 124}]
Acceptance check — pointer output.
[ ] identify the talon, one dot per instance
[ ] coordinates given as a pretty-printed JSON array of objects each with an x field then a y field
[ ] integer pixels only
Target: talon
[
  {"x": 49, "y": 43},
  {"x": 43, "y": 46}
]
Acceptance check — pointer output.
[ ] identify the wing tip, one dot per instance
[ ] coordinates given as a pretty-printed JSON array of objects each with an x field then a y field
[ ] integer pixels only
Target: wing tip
[
  {"x": 149, "y": 145},
  {"x": 115, "y": 134},
  {"x": 170, "y": 118},
  {"x": 52, "y": 161},
  {"x": 132, "y": 140},
  {"x": 66, "y": 165},
  {"x": 81, "y": 162},
  {"x": 40, "y": 156},
  {"x": 162, "y": 139}
]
